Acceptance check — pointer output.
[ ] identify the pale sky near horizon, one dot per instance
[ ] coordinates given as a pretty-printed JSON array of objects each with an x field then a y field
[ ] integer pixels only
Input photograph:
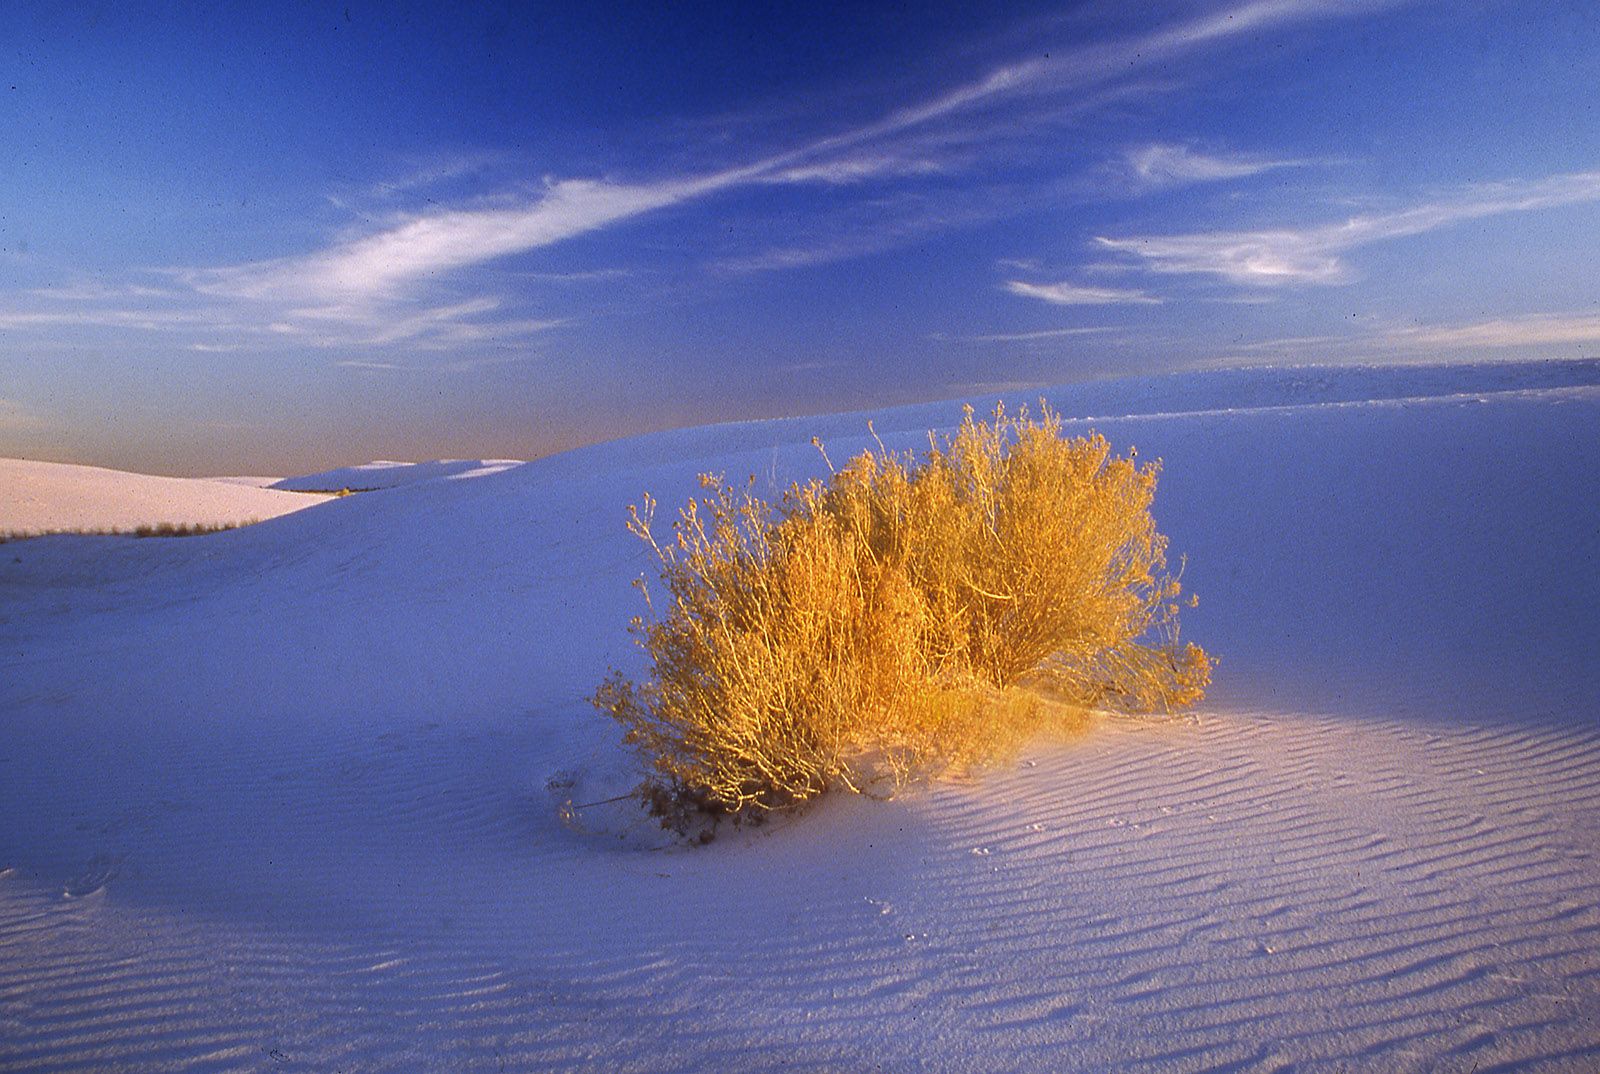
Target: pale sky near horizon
[{"x": 276, "y": 238}]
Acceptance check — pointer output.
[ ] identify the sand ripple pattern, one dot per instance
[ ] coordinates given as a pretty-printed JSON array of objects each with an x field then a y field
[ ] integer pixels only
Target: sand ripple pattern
[
  {"x": 1286, "y": 893},
  {"x": 1227, "y": 892}
]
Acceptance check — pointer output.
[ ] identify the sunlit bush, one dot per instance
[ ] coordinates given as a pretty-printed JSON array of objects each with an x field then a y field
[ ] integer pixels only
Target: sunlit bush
[{"x": 905, "y": 615}]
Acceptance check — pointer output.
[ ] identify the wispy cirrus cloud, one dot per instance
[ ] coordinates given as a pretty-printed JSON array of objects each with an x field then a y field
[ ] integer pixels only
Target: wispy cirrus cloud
[
  {"x": 405, "y": 278},
  {"x": 856, "y": 169},
  {"x": 204, "y": 323},
  {"x": 1312, "y": 255},
  {"x": 150, "y": 320},
  {"x": 1163, "y": 165},
  {"x": 426, "y": 246},
  {"x": 371, "y": 366},
  {"x": 449, "y": 325},
  {"x": 1071, "y": 294},
  {"x": 1248, "y": 257},
  {"x": 1529, "y": 330},
  {"x": 1547, "y": 333},
  {"x": 1020, "y": 337}
]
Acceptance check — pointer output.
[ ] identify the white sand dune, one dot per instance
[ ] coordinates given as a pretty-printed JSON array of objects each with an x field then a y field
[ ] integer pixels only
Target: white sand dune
[
  {"x": 385, "y": 474},
  {"x": 48, "y": 497},
  {"x": 287, "y": 797}
]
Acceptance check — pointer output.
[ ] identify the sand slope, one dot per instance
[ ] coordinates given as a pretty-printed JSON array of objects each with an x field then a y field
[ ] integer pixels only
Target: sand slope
[{"x": 288, "y": 797}]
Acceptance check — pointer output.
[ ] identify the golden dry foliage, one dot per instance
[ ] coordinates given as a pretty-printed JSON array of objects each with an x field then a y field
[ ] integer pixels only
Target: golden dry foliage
[{"x": 904, "y": 616}]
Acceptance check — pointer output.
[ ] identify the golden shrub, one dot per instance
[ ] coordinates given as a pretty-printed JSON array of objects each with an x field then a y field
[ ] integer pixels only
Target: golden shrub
[{"x": 903, "y": 616}]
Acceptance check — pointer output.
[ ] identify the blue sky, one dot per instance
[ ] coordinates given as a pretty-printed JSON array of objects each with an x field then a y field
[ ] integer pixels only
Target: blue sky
[{"x": 275, "y": 238}]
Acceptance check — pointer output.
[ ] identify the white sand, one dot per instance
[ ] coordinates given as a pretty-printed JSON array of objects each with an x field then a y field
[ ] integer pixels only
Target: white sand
[
  {"x": 287, "y": 797},
  {"x": 385, "y": 474},
  {"x": 47, "y": 497}
]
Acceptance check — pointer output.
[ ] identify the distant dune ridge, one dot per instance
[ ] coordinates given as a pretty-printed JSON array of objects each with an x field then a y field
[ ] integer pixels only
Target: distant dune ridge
[
  {"x": 326, "y": 793},
  {"x": 384, "y": 474},
  {"x": 42, "y": 497},
  {"x": 48, "y": 497}
]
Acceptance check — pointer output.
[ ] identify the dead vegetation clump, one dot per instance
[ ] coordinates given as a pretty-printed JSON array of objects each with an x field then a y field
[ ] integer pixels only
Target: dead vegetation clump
[
  {"x": 901, "y": 617},
  {"x": 158, "y": 529}
]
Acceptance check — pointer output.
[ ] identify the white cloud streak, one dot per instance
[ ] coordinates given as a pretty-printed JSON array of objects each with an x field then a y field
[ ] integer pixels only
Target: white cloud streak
[
  {"x": 1312, "y": 255},
  {"x": 144, "y": 320},
  {"x": 1071, "y": 294},
  {"x": 377, "y": 266},
  {"x": 1164, "y": 165},
  {"x": 215, "y": 325},
  {"x": 1549, "y": 334},
  {"x": 1021, "y": 337},
  {"x": 434, "y": 326},
  {"x": 378, "y": 367},
  {"x": 1531, "y": 330}
]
